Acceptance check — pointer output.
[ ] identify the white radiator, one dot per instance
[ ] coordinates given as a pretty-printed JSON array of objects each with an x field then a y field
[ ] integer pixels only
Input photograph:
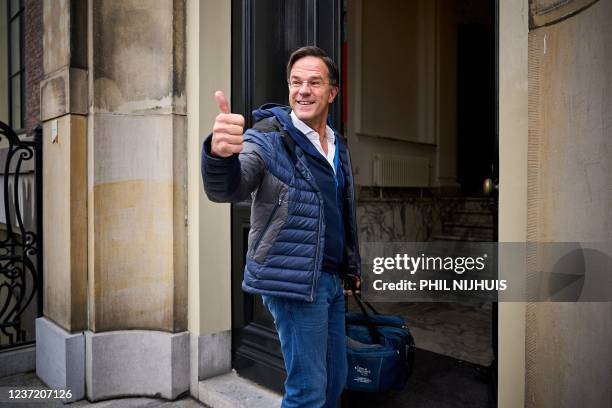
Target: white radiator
[{"x": 391, "y": 170}]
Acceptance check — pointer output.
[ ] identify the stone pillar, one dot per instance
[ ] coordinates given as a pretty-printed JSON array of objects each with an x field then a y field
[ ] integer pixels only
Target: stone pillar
[
  {"x": 60, "y": 343},
  {"x": 568, "y": 347},
  {"x": 114, "y": 113},
  {"x": 137, "y": 271}
]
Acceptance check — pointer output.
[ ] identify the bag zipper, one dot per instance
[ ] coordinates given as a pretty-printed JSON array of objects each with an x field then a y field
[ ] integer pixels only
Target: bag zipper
[
  {"x": 316, "y": 265},
  {"x": 307, "y": 175}
]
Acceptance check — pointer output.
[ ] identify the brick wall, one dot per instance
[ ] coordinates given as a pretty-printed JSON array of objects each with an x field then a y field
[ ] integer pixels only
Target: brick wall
[{"x": 33, "y": 59}]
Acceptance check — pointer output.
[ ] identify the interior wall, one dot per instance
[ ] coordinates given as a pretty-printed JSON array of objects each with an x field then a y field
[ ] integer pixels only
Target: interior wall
[
  {"x": 398, "y": 69},
  {"x": 399, "y": 55},
  {"x": 445, "y": 168}
]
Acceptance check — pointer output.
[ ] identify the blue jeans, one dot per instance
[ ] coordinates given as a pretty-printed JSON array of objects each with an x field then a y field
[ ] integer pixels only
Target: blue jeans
[{"x": 313, "y": 342}]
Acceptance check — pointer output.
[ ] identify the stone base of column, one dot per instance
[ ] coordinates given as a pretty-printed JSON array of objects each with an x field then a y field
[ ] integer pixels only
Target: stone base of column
[
  {"x": 211, "y": 355},
  {"x": 136, "y": 363},
  {"x": 60, "y": 358}
]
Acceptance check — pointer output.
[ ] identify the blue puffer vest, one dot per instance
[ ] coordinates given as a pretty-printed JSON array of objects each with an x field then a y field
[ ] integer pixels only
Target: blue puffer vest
[{"x": 287, "y": 236}]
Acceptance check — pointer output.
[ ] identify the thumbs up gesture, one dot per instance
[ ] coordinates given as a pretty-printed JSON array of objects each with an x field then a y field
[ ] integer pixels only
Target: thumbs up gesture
[{"x": 227, "y": 138}]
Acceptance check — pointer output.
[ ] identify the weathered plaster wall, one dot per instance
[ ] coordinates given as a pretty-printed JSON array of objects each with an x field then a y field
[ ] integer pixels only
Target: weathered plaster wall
[
  {"x": 64, "y": 91},
  {"x": 63, "y": 102},
  {"x": 137, "y": 166},
  {"x": 56, "y": 40},
  {"x": 569, "y": 352},
  {"x": 64, "y": 223},
  {"x": 139, "y": 64}
]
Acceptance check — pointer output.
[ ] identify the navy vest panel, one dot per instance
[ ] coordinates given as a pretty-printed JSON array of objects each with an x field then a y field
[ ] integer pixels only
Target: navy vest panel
[{"x": 332, "y": 186}]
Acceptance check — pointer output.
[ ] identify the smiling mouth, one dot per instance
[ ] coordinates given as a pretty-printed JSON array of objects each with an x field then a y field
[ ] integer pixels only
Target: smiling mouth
[{"x": 304, "y": 103}]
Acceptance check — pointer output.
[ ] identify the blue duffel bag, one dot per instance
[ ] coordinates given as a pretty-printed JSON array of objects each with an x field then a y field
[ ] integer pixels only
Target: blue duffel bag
[{"x": 380, "y": 351}]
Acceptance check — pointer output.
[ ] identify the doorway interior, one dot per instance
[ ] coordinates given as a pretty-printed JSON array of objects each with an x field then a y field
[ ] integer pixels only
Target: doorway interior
[{"x": 419, "y": 109}]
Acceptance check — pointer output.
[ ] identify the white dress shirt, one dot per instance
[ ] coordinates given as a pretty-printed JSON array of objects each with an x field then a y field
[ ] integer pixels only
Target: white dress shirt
[{"x": 313, "y": 136}]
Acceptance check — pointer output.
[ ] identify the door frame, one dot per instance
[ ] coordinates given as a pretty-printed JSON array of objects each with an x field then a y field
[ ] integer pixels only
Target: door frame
[
  {"x": 209, "y": 51},
  {"x": 513, "y": 28}
]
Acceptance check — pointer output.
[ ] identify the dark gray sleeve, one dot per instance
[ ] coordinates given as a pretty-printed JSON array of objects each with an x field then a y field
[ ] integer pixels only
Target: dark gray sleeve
[{"x": 232, "y": 179}]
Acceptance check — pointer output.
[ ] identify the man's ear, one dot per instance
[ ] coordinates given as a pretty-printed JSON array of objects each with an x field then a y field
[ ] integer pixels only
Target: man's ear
[{"x": 332, "y": 94}]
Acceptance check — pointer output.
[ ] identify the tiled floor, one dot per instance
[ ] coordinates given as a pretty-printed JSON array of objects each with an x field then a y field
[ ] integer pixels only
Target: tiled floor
[
  {"x": 436, "y": 382},
  {"x": 456, "y": 330}
]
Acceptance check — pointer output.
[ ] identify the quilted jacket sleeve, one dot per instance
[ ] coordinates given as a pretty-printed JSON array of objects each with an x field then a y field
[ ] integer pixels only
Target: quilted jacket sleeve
[{"x": 232, "y": 179}]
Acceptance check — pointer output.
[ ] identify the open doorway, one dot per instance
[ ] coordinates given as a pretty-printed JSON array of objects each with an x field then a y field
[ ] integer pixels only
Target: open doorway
[{"x": 419, "y": 108}]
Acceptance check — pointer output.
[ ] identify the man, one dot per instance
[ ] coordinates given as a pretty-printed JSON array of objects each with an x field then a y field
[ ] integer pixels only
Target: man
[{"x": 303, "y": 237}]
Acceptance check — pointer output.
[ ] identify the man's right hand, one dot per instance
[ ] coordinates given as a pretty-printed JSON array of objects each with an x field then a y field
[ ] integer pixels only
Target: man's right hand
[{"x": 228, "y": 130}]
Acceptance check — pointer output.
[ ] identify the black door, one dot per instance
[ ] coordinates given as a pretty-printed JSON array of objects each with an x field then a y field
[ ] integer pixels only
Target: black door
[{"x": 264, "y": 33}]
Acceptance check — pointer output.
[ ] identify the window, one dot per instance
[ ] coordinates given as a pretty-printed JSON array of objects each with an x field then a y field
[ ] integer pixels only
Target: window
[{"x": 16, "y": 72}]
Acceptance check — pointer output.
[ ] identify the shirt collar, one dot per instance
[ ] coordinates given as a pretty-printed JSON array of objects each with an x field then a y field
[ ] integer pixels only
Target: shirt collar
[{"x": 309, "y": 132}]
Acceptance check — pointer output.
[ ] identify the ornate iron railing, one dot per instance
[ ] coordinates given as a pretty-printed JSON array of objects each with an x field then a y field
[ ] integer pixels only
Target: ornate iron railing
[{"x": 21, "y": 237}]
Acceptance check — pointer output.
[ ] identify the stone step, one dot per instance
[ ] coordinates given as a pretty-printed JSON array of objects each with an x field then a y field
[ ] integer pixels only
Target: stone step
[
  {"x": 475, "y": 204},
  {"x": 486, "y": 234},
  {"x": 448, "y": 237},
  {"x": 467, "y": 225},
  {"x": 475, "y": 212},
  {"x": 231, "y": 391},
  {"x": 475, "y": 217}
]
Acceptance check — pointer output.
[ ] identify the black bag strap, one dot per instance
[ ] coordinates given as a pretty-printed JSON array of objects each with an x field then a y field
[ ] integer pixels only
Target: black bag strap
[
  {"x": 371, "y": 326},
  {"x": 271, "y": 124},
  {"x": 365, "y": 302},
  {"x": 268, "y": 124},
  {"x": 352, "y": 278}
]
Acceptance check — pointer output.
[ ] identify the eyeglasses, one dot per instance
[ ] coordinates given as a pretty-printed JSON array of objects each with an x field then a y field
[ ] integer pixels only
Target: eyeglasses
[{"x": 313, "y": 83}]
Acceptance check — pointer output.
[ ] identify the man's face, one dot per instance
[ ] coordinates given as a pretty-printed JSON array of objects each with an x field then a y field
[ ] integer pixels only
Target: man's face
[{"x": 310, "y": 101}]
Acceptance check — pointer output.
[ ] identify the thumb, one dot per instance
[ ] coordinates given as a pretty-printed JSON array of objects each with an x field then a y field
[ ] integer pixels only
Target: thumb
[{"x": 222, "y": 102}]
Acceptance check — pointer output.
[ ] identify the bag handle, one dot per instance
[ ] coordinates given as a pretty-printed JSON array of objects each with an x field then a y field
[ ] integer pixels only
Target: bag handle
[
  {"x": 370, "y": 306},
  {"x": 351, "y": 286},
  {"x": 371, "y": 326}
]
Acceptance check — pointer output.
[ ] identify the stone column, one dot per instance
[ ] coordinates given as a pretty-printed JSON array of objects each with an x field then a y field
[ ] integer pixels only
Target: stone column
[
  {"x": 115, "y": 199},
  {"x": 59, "y": 339},
  {"x": 137, "y": 271}
]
